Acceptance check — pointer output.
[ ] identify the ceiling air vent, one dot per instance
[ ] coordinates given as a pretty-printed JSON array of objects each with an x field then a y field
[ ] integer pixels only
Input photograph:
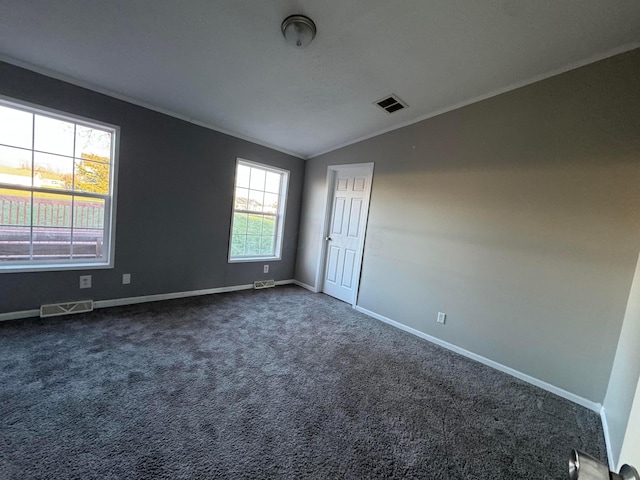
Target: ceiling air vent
[{"x": 391, "y": 104}]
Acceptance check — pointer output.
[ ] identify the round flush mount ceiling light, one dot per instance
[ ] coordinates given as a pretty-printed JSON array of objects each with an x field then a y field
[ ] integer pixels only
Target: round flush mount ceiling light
[{"x": 298, "y": 30}]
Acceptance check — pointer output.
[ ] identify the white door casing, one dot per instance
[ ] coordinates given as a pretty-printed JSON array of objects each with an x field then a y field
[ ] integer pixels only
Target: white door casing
[
  {"x": 348, "y": 201},
  {"x": 631, "y": 445}
]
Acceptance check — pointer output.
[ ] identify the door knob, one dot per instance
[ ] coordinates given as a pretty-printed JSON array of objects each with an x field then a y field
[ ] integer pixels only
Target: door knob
[{"x": 328, "y": 239}]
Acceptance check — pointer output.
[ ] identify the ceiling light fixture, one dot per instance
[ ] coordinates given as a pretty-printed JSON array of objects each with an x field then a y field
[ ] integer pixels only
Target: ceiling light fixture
[{"x": 298, "y": 30}]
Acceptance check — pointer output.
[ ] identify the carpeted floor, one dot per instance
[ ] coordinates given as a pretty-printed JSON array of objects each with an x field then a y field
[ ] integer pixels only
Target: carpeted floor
[{"x": 277, "y": 383}]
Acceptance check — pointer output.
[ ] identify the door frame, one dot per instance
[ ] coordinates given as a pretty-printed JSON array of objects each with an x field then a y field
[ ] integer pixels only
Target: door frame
[{"x": 332, "y": 171}]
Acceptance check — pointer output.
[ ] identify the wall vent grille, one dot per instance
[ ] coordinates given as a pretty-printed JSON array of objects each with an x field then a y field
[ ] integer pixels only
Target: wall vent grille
[
  {"x": 391, "y": 103},
  {"x": 55, "y": 309},
  {"x": 258, "y": 284}
]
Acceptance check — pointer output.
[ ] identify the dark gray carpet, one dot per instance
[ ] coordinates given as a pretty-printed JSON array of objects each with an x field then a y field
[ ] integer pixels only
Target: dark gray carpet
[{"x": 278, "y": 383}]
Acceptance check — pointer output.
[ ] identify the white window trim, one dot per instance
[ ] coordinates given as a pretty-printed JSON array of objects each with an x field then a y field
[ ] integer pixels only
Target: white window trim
[
  {"x": 280, "y": 216},
  {"x": 109, "y": 221}
]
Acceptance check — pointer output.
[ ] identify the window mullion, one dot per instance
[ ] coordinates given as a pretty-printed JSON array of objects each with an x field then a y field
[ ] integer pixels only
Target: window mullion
[
  {"x": 73, "y": 185},
  {"x": 33, "y": 170},
  {"x": 53, "y": 191},
  {"x": 253, "y": 212}
]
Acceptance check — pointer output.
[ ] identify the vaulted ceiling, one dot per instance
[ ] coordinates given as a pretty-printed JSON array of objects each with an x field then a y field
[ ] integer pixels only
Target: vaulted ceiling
[{"x": 225, "y": 64}]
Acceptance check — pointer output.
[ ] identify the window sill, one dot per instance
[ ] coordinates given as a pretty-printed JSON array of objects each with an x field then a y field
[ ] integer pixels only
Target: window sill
[
  {"x": 254, "y": 259},
  {"x": 54, "y": 267}
]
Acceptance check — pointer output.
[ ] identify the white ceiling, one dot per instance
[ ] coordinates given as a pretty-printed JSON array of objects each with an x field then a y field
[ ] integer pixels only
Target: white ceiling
[{"x": 225, "y": 64}]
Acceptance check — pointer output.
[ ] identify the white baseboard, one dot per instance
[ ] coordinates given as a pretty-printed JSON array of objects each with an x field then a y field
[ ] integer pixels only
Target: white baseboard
[
  {"x": 607, "y": 440},
  {"x": 305, "y": 286},
  {"x": 117, "y": 302},
  {"x": 20, "y": 314},
  {"x": 596, "y": 407}
]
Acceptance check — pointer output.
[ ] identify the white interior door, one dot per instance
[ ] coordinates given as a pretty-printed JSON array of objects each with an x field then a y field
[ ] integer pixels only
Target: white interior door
[{"x": 346, "y": 229}]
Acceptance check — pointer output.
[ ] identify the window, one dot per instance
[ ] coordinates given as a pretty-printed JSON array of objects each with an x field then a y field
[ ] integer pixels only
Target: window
[
  {"x": 57, "y": 176},
  {"x": 258, "y": 212}
]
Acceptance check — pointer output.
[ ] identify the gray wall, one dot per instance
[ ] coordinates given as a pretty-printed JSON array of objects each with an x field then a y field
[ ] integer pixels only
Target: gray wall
[
  {"x": 518, "y": 216},
  {"x": 625, "y": 374},
  {"x": 175, "y": 188}
]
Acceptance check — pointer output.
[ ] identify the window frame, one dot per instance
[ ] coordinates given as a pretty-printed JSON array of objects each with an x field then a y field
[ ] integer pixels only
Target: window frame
[
  {"x": 279, "y": 216},
  {"x": 110, "y": 200}
]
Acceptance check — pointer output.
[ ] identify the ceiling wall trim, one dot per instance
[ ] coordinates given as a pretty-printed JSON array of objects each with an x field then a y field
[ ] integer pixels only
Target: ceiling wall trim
[
  {"x": 514, "y": 86},
  {"x": 89, "y": 86}
]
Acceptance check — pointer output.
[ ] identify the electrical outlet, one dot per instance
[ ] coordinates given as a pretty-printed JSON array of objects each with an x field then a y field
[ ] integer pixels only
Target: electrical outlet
[
  {"x": 265, "y": 269},
  {"x": 126, "y": 278},
  {"x": 85, "y": 281},
  {"x": 442, "y": 317}
]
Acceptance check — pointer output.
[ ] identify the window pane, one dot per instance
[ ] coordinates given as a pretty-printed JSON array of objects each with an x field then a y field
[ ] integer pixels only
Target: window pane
[
  {"x": 88, "y": 223},
  {"x": 16, "y": 127},
  {"x": 15, "y": 166},
  {"x": 273, "y": 182},
  {"x": 268, "y": 226},
  {"x": 237, "y": 245},
  {"x": 270, "y": 203},
  {"x": 253, "y": 245},
  {"x": 255, "y": 201},
  {"x": 88, "y": 213},
  {"x": 15, "y": 207},
  {"x": 51, "y": 226},
  {"x": 239, "y": 223},
  {"x": 52, "y": 171},
  {"x": 268, "y": 245},
  {"x": 15, "y": 243},
  {"x": 15, "y": 225},
  {"x": 91, "y": 177},
  {"x": 54, "y": 136},
  {"x": 93, "y": 144},
  {"x": 242, "y": 176},
  {"x": 51, "y": 243},
  {"x": 254, "y": 224},
  {"x": 242, "y": 199},
  {"x": 51, "y": 210},
  {"x": 257, "y": 179}
]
